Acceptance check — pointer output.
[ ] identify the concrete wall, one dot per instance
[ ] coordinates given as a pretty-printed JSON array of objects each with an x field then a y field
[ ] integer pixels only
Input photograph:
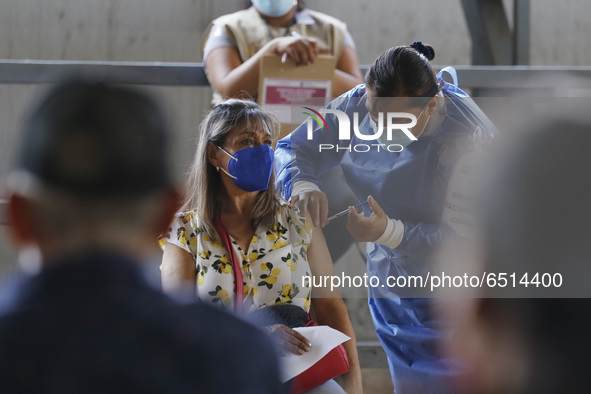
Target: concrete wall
[{"x": 151, "y": 30}]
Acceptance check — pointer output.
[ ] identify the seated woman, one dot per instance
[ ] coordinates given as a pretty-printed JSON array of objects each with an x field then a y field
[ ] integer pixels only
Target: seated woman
[
  {"x": 229, "y": 184},
  {"x": 236, "y": 43}
]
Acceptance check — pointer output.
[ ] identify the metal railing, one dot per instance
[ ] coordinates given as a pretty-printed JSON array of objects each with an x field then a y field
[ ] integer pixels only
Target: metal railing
[{"x": 193, "y": 74}]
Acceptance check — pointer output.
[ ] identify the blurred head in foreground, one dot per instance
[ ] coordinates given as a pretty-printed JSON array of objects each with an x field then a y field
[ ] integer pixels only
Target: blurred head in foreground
[
  {"x": 536, "y": 219},
  {"x": 90, "y": 195},
  {"x": 91, "y": 173}
]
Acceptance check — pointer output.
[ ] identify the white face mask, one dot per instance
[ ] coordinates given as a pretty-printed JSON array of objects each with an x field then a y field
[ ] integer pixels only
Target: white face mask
[
  {"x": 274, "y": 8},
  {"x": 398, "y": 136}
]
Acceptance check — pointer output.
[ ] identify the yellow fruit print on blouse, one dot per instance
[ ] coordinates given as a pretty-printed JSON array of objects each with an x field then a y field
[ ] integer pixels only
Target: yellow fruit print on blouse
[
  {"x": 222, "y": 264},
  {"x": 220, "y": 295},
  {"x": 307, "y": 303},
  {"x": 252, "y": 257},
  {"x": 269, "y": 278},
  {"x": 201, "y": 272},
  {"x": 216, "y": 243},
  {"x": 161, "y": 242},
  {"x": 277, "y": 235},
  {"x": 189, "y": 216},
  {"x": 286, "y": 294},
  {"x": 279, "y": 244},
  {"x": 182, "y": 235},
  {"x": 291, "y": 263},
  {"x": 165, "y": 235},
  {"x": 303, "y": 232},
  {"x": 193, "y": 242}
]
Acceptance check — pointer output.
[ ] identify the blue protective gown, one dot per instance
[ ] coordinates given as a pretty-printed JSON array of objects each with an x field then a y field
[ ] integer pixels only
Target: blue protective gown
[{"x": 411, "y": 187}]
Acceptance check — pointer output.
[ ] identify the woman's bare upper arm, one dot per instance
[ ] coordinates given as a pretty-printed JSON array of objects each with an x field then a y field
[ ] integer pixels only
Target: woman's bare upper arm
[
  {"x": 349, "y": 63},
  {"x": 220, "y": 62},
  {"x": 321, "y": 263},
  {"x": 177, "y": 269}
]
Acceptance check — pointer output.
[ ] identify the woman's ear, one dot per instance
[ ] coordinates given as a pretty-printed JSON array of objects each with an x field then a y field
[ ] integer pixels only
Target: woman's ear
[
  {"x": 432, "y": 105},
  {"x": 213, "y": 154}
]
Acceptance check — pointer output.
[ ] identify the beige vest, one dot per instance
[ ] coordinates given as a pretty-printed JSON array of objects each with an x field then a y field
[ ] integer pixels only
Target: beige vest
[{"x": 251, "y": 33}]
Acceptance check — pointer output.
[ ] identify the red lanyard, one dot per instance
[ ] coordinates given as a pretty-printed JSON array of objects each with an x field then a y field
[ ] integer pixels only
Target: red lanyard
[{"x": 236, "y": 267}]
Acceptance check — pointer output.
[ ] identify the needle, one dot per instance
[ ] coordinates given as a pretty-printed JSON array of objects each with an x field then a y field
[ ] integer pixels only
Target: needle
[{"x": 346, "y": 211}]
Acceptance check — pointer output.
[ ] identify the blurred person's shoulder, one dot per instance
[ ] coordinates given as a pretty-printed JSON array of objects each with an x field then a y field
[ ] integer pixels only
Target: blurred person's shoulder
[
  {"x": 124, "y": 321},
  {"x": 219, "y": 326},
  {"x": 228, "y": 340}
]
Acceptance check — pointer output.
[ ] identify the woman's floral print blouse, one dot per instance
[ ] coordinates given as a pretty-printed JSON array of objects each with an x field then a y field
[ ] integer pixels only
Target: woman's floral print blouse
[{"x": 272, "y": 268}]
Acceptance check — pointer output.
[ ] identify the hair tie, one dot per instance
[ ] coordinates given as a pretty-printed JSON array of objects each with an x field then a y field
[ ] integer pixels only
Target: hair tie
[{"x": 423, "y": 49}]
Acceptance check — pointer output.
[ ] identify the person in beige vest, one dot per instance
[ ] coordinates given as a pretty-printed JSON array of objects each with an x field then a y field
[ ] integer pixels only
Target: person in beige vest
[{"x": 236, "y": 43}]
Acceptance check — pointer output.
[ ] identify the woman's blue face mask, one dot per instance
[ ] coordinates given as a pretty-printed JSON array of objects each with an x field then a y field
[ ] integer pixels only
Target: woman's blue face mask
[
  {"x": 274, "y": 8},
  {"x": 251, "y": 168}
]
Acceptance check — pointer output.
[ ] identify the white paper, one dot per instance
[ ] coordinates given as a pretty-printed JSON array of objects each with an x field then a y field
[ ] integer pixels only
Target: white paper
[
  {"x": 323, "y": 340},
  {"x": 280, "y": 94}
]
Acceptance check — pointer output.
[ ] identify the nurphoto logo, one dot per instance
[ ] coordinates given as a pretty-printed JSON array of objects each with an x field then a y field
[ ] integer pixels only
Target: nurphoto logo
[{"x": 380, "y": 135}]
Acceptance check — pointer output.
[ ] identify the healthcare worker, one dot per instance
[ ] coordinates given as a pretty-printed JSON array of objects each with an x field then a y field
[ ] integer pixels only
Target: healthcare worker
[{"x": 417, "y": 184}]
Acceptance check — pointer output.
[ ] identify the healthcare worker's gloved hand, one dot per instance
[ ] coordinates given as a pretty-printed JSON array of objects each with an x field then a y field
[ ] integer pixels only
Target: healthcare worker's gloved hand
[
  {"x": 376, "y": 228},
  {"x": 312, "y": 202}
]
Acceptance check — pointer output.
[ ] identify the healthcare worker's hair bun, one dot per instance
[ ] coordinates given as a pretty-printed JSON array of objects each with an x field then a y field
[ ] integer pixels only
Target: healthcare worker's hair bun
[
  {"x": 426, "y": 50},
  {"x": 404, "y": 71}
]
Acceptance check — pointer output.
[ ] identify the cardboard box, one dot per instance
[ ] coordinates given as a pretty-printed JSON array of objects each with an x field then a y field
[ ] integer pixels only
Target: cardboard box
[{"x": 284, "y": 85}]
